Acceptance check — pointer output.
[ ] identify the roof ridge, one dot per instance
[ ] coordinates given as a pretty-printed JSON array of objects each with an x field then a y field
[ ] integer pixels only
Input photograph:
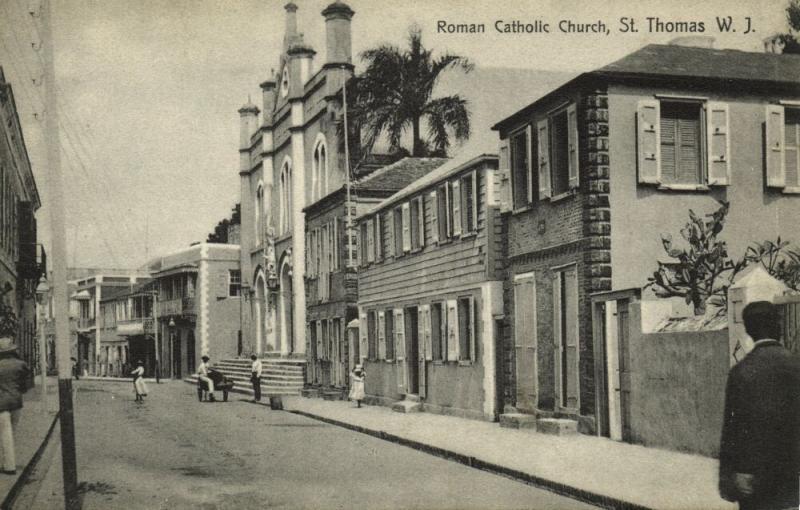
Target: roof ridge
[{"x": 382, "y": 170}]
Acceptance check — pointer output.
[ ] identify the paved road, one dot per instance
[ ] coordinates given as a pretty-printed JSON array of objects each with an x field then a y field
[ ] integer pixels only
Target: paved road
[{"x": 173, "y": 452}]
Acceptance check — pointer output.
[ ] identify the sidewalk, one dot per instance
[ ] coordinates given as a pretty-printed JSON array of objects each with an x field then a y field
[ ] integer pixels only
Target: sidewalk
[
  {"x": 35, "y": 424},
  {"x": 593, "y": 469}
]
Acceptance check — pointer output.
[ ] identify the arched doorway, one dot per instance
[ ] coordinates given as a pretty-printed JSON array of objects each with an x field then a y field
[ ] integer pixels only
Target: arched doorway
[
  {"x": 285, "y": 308},
  {"x": 259, "y": 313}
]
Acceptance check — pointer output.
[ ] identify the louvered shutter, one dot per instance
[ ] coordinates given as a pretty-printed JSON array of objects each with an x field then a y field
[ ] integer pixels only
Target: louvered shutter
[
  {"x": 370, "y": 241},
  {"x": 381, "y": 335},
  {"x": 557, "y": 347},
  {"x": 456, "y": 198},
  {"x": 776, "y": 162},
  {"x": 406, "y": 220},
  {"x": 421, "y": 220},
  {"x": 399, "y": 334},
  {"x": 571, "y": 302},
  {"x": 648, "y": 140},
  {"x": 525, "y": 341},
  {"x": 719, "y": 165},
  {"x": 390, "y": 233},
  {"x": 572, "y": 145},
  {"x": 434, "y": 217},
  {"x": 452, "y": 330},
  {"x": 378, "y": 237},
  {"x": 363, "y": 346},
  {"x": 475, "y": 199},
  {"x": 320, "y": 343},
  {"x": 543, "y": 156},
  {"x": 425, "y": 311}
]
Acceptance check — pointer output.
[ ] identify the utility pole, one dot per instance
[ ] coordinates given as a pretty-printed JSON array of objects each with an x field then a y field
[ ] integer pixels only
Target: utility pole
[
  {"x": 155, "y": 331},
  {"x": 59, "y": 249}
]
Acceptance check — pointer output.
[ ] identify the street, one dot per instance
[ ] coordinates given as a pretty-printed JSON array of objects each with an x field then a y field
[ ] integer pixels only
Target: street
[{"x": 174, "y": 452}]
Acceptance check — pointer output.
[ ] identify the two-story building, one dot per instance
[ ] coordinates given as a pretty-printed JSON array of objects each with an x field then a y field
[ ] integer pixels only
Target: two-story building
[
  {"x": 198, "y": 306},
  {"x": 430, "y": 291},
  {"x": 331, "y": 282},
  {"x": 128, "y": 330},
  {"x": 601, "y": 167},
  {"x": 22, "y": 261},
  {"x": 290, "y": 157}
]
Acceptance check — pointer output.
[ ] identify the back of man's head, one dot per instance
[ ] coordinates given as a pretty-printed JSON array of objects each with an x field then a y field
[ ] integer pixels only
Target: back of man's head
[{"x": 761, "y": 320}]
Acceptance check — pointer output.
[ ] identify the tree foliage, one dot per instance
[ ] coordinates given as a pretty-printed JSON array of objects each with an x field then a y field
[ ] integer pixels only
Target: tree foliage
[
  {"x": 220, "y": 233},
  {"x": 778, "y": 258},
  {"x": 394, "y": 94},
  {"x": 790, "y": 39},
  {"x": 702, "y": 270}
]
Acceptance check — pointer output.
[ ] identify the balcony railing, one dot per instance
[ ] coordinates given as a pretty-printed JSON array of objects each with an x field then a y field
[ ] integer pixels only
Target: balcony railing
[{"x": 180, "y": 306}]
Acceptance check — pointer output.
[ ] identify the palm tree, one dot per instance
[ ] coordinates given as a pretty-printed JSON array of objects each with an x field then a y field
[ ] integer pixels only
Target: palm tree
[{"x": 394, "y": 94}]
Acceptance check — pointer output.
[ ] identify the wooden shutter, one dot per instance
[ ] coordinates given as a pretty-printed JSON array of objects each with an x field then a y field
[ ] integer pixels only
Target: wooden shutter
[
  {"x": 719, "y": 165},
  {"x": 370, "y": 241},
  {"x": 557, "y": 351},
  {"x": 308, "y": 253},
  {"x": 320, "y": 342},
  {"x": 425, "y": 311},
  {"x": 390, "y": 233},
  {"x": 421, "y": 220},
  {"x": 570, "y": 298},
  {"x": 336, "y": 244},
  {"x": 473, "y": 326},
  {"x": 475, "y": 196},
  {"x": 456, "y": 211},
  {"x": 452, "y": 330},
  {"x": 572, "y": 145},
  {"x": 406, "y": 220},
  {"x": 363, "y": 341},
  {"x": 648, "y": 140},
  {"x": 399, "y": 335},
  {"x": 378, "y": 237},
  {"x": 434, "y": 216},
  {"x": 381, "y": 335},
  {"x": 525, "y": 342},
  {"x": 543, "y": 154},
  {"x": 775, "y": 160}
]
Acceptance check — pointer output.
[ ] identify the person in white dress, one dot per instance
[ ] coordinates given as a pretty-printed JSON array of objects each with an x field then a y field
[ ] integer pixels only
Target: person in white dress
[
  {"x": 139, "y": 385},
  {"x": 202, "y": 374},
  {"x": 357, "y": 377}
]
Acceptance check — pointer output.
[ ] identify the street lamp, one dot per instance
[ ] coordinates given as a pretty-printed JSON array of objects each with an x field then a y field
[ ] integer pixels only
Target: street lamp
[{"x": 42, "y": 290}]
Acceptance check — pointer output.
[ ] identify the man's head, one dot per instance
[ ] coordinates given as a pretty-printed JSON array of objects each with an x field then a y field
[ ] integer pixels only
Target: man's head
[
  {"x": 761, "y": 320},
  {"x": 205, "y": 359},
  {"x": 253, "y": 357}
]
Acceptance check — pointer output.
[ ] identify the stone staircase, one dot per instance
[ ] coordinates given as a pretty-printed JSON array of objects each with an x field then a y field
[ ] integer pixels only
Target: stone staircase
[{"x": 279, "y": 376}]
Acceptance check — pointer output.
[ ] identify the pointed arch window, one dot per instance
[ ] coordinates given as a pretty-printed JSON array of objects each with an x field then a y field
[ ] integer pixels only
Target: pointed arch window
[
  {"x": 286, "y": 197},
  {"x": 259, "y": 213},
  {"x": 319, "y": 169}
]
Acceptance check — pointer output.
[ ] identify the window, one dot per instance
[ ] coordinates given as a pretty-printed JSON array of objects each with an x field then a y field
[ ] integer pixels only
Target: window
[
  {"x": 443, "y": 211},
  {"x": 521, "y": 168},
  {"x": 258, "y": 213},
  {"x": 469, "y": 202},
  {"x": 234, "y": 283},
  {"x": 370, "y": 244},
  {"x": 557, "y": 152},
  {"x": 285, "y": 82},
  {"x": 285, "y": 197},
  {"x": 438, "y": 332},
  {"x": 363, "y": 242},
  {"x": 466, "y": 329},
  {"x": 565, "y": 333},
  {"x": 417, "y": 226},
  {"x": 397, "y": 214},
  {"x": 372, "y": 337},
  {"x": 389, "y": 334},
  {"x": 783, "y": 148},
  {"x": 319, "y": 170},
  {"x": 683, "y": 143}
]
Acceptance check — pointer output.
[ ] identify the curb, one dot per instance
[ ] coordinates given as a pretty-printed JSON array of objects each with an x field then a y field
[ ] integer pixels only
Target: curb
[
  {"x": 474, "y": 462},
  {"x": 8, "y": 501}
]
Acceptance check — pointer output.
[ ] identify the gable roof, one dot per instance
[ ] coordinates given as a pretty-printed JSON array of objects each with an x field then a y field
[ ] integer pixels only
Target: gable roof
[
  {"x": 399, "y": 174},
  {"x": 669, "y": 61}
]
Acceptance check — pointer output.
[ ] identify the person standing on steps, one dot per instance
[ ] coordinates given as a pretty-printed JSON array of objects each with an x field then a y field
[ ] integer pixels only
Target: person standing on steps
[
  {"x": 759, "y": 457},
  {"x": 13, "y": 383},
  {"x": 357, "y": 384},
  {"x": 255, "y": 377},
  {"x": 139, "y": 386},
  {"x": 202, "y": 374}
]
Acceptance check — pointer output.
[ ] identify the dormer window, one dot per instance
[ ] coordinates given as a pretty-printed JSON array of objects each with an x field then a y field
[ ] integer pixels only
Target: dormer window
[{"x": 285, "y": 82}]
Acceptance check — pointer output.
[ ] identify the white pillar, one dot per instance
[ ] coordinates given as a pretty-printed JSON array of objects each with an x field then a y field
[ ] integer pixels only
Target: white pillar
[{"x": 298, "y": 230}]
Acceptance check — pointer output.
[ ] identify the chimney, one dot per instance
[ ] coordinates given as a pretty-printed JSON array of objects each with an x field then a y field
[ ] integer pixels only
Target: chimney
[
  {"x": 268, "y": 94},
  {"x": 337, "y": 33},
  {"x": 291, "y": 24}
]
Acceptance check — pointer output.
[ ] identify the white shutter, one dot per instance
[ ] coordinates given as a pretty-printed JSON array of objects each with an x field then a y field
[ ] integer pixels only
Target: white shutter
[
  {"x": 448, "y": 193},
  {"x": 399, "y": 335},
  {"x": 363, "y": 347},
  {"x": 378, "y": 238},
  {"x": 370, "y": 241},
  {"x": 543, "y": 155},
  {"x": 381, "y": 335},
  {"x": 421, "y": 220},
  {"x": 452, "y": 330},
  {"x": 390, "y": 233},
  {"x": 406, "y": 220},
  {"x": 648, "y": 140},
  {"x": 456, "y": 197},
  {"x": 572, "y": 145},
  {"x": 434, "y": 209},
  {"x": 475, "y": 201},
  {"x": 557, "y": 336},
  {"x": 719, "y": 165},
  {"x": 775, "y": 133},
  {"x": 425, "y": 321}
]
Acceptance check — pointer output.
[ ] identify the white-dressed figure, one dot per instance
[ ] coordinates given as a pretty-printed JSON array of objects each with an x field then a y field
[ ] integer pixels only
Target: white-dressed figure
[
  {"x": 202, "y": 374},
  {"x": 139, "y": 385},
  {"x": 357, "y": 377}
]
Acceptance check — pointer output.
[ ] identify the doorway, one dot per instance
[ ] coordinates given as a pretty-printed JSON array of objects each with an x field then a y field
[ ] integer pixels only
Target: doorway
[
  {"x": 176, "y": 356},
  {"x": 412, "y": 349}
]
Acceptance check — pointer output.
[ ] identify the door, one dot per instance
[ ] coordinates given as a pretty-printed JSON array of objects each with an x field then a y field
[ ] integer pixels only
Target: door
[
  {"x": 190, "y": 352},
  {"x": 525, "y": 341},
  {"x": 424, "y": 320},
  {"x": 565, "y": 336},
  {"x": 412, "y": 352},
  {"x": 176, "y": 356},
  {"x": 624, "y": 368}
]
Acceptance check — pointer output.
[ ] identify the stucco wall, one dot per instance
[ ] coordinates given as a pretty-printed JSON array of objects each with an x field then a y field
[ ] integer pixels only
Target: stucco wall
[
  {"x": 678, "y": 388},
  {"x": 640, "y": 213}
]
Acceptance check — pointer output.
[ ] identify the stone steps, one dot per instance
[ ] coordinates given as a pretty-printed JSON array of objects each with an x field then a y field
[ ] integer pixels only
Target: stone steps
[
  {"x": 279, "y": 376},
  {"x": 247, "y": 389}
]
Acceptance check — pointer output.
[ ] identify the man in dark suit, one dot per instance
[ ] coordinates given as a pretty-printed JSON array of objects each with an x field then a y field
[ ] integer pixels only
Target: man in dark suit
[{"x": 759, "y": 458}]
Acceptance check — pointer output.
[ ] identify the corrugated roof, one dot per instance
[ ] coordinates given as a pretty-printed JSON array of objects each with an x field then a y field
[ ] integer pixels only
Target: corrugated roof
[
  {"x": 453, "y": 166},
  {"x": 399, "y": 174}
]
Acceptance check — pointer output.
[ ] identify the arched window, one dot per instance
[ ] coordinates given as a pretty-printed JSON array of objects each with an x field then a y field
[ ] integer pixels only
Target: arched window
[
  {"x": 319, "y": 169},
  {"x": 286, "y": 196},
  {"x": 259, "y": 212}
]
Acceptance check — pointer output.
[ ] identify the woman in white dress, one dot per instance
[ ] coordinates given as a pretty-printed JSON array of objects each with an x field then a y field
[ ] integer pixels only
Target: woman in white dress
[
  {"x": 138, "y": 382},
  {"x": 357, "y": 377}
]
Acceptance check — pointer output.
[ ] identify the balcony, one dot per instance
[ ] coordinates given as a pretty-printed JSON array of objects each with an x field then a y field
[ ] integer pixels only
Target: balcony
[
  {"x": 180, "y": 306},
  {"x": 138, "y": 326}
]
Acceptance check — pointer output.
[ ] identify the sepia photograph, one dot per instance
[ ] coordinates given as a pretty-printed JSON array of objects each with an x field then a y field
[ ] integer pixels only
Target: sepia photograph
[{"x": 374, "y": 254}]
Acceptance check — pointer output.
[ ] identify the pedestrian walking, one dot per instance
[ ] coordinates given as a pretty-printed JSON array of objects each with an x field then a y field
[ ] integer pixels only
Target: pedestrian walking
[
  {"x": 357, "y": 384},
  {"x": 759, "y": 459},
  {"x": 139, "y": 386},
  {"x": 202, "y": 374},
  {"x": 255, "y": 377},
  {"x": 14, "y": 375}
]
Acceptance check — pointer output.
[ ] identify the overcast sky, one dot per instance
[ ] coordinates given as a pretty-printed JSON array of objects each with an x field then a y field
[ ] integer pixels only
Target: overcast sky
[{"x": 150, "y": 90}]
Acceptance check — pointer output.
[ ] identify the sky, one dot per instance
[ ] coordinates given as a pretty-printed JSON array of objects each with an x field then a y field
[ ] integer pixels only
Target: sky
[{"x": 149, "y": 91}]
